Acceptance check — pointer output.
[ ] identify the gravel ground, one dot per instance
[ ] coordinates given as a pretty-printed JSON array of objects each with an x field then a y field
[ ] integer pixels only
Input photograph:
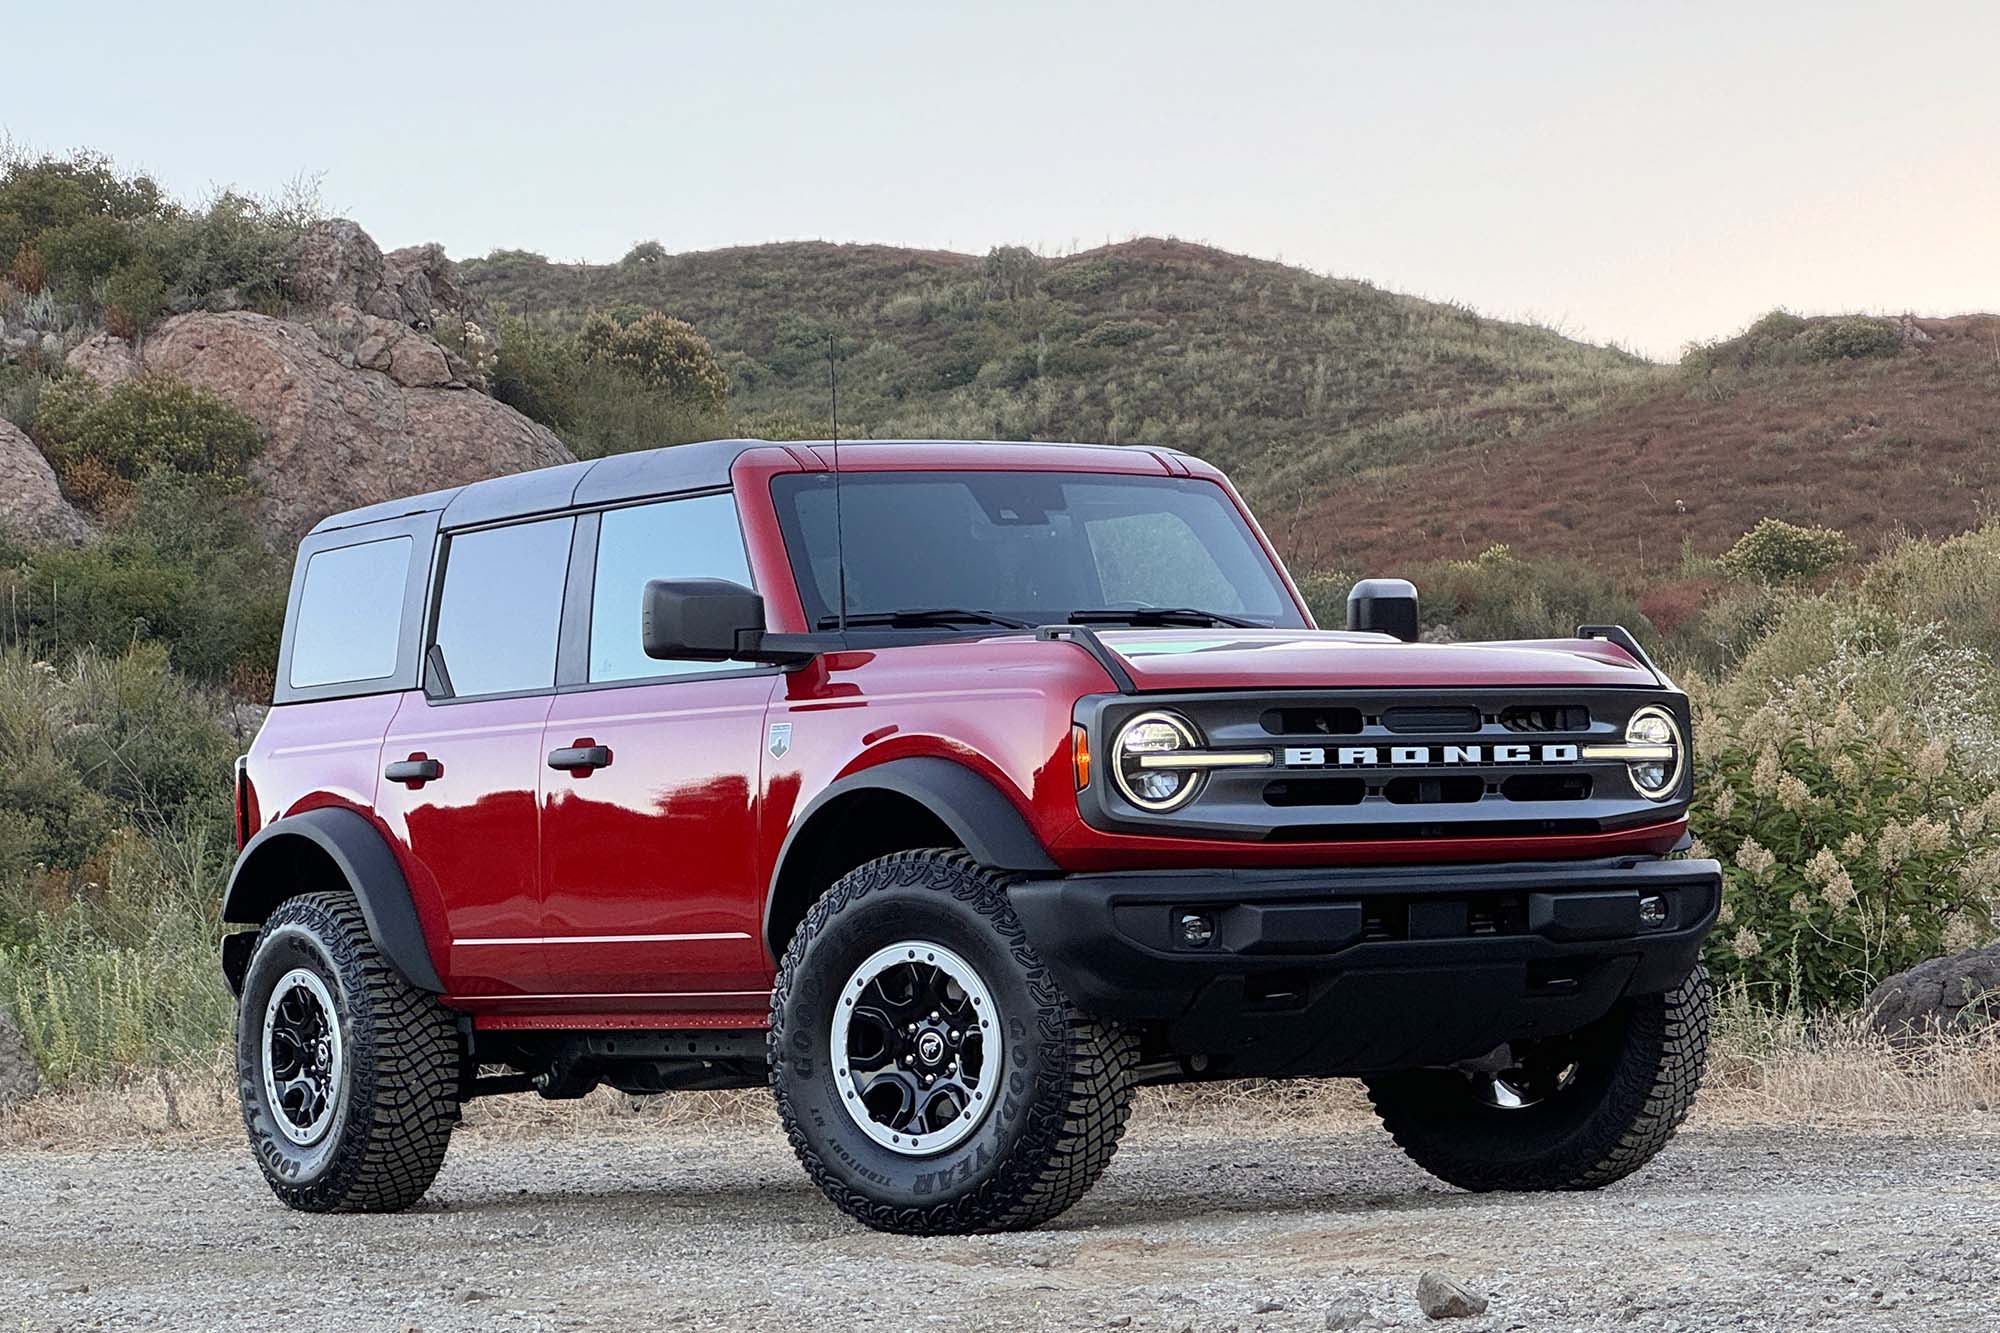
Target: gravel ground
[{"x": 1190, "y": 1229}]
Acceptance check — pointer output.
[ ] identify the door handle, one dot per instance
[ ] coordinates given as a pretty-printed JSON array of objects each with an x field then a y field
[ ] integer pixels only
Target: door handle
[
  {"x": 415, "y": 771},
  {"x": 581, "y": 759}
]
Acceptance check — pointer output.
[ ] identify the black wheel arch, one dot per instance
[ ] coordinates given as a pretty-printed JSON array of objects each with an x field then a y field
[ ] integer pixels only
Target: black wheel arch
[
  {"x": 901, "y": 805},
  {"x": 330, "y": 847}
]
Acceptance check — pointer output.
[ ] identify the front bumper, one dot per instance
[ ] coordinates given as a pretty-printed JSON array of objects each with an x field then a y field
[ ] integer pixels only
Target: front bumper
[{"x": 1353, "y": 971}]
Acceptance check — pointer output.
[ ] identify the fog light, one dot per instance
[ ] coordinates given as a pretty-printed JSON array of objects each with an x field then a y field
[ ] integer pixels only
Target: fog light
[
  {"x": 1196, "y": 930},
  {"x": 1652, "y": 911}
]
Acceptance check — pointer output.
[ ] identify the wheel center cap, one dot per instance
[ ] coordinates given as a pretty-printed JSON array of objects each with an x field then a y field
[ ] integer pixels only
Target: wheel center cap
[{"x": 930, "y": 1048}]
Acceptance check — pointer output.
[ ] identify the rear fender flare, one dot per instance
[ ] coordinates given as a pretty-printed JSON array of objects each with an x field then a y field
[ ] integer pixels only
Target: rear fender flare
[{"x": 267, "y": 873}]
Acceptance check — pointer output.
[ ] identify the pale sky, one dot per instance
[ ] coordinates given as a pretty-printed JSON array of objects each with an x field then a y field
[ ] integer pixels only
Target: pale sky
[{"x": 1641, "y": 173}]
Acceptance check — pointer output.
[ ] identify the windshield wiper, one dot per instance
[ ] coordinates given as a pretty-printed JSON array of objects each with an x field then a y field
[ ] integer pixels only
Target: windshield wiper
[
  {"x": 919, "y": 618},
  {"x": 1159, "y": 615}
]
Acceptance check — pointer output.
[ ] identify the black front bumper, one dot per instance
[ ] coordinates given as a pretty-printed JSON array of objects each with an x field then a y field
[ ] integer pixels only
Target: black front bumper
[{"x": 1352, "y": 971}]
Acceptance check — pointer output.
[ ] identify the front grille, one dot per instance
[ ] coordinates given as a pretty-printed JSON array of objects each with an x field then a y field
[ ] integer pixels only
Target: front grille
[{"x": 1356, "y": 765}]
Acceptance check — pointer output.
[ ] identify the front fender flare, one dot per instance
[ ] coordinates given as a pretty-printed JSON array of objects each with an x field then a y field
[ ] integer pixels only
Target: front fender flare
[
  {"x": 265, "y": 875},
  {"x": 983, "y": 820}
]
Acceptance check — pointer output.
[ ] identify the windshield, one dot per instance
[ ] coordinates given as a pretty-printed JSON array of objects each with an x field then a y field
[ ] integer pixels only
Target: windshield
[{"x": 1030, "y": 547}]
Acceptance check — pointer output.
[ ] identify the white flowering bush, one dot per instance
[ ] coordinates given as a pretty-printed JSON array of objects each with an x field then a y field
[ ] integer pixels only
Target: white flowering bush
[{"x": 1851, "y": 848}]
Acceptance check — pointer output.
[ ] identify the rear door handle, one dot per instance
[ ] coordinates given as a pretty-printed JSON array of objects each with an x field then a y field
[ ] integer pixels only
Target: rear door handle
[
  {"x": 581, "y": 759},
  {"x": 415, "y": 771}
]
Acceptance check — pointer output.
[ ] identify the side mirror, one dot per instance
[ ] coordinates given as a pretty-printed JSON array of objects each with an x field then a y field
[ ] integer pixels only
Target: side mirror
[
  {"x": 710, "y": 620},
  {"x": 1384, "y": 606}
]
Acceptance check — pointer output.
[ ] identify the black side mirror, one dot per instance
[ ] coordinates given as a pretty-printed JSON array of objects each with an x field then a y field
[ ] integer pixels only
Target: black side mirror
[
  {"x": 1384, "y": 606},
  {"x": 710, "y": 620}
]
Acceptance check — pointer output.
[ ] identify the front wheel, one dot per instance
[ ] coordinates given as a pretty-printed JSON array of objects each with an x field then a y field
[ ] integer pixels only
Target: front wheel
[
  {"x": 1568, "y": 1113},
  {"x": 348, "y": 1075},
  {"x": 931, "y": 1074}
]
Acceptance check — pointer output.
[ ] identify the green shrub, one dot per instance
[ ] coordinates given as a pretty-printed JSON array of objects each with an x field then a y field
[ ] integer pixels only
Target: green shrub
[
  {"x": 1850, "y": 338},
  {"x": 1851, "y": 848},
  {"x": 535, "y": 371},
  {"x": 86, "y": 251},
  {"x": 1782, "y": 338},
  {"x": 1777, "y": 552},
  {"x": 665, "y": 355},
  {"x": 133, "y": 298},
  {"x": 145, "y": 426},
  {"x": 1951, "y": 583},
  {"x": 645, "y": 252},
  {"x": 181, "y": 568}
]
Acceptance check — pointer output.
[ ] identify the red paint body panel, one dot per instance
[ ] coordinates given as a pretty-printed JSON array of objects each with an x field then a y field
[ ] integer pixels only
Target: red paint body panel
[
  {"x": 470, "y": 841},
  {"x": 649, "y": 866}
]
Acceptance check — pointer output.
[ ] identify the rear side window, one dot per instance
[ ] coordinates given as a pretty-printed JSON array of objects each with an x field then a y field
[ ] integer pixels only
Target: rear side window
[
  {"x": 501, "y": 607},
  {"x": 697, "y": 538},
  {"x": 350, "y": 616}
]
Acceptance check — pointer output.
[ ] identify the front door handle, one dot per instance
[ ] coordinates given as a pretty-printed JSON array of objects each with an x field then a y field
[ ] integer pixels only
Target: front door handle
[
  {"x": 582, "y": 759},
  {"x": 415, "y": 771}
]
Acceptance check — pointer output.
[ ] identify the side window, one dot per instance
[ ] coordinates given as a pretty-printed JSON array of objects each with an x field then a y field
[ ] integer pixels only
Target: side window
[
  {"x": 501, "y": 606},
  {"x": 675, "y": 539},
  {"x": 350, "y": 616}
]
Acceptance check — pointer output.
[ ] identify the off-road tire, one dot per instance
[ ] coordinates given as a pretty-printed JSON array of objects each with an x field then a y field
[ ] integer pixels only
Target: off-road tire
[
  {"x": 20, "y": 1079},
  {"x": 1631, "y": 1092},
  {"x": 398, "y": 1099},
  {"x": 1068, "y": 1078}
]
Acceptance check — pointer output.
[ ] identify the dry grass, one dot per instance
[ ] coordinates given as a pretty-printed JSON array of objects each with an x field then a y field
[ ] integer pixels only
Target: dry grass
[{"x": 1765, "y": 1069}]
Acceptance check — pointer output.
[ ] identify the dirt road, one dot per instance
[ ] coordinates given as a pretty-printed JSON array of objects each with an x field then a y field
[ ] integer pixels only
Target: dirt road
[{"x": 1732, "y": 1228}]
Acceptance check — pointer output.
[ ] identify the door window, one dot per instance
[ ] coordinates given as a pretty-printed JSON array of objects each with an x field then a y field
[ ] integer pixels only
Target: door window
[
  {"x": 697, "y": 538},
  {"x": 501, "y": 607}
]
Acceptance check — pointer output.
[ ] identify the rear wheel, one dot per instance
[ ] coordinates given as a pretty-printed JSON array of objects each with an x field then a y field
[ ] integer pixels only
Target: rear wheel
[
  {"x": 348, "y": 1076},
  {"x": 1569, "y": 1113},
  {"x": 931, "y": 1074}
]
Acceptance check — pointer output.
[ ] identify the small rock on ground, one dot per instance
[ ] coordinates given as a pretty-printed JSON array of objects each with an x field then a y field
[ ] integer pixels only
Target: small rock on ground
[{"x": 1445, "y": 1297}]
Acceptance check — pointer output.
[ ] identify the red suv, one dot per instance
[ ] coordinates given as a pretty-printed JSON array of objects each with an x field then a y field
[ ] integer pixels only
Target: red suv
[{"x": 1022, "y": 778}]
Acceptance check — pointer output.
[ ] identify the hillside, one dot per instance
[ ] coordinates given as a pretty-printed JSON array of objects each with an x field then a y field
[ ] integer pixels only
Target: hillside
[
  {"x": 1291, "y": 380},
  {"x": 1876, "y": 446}
]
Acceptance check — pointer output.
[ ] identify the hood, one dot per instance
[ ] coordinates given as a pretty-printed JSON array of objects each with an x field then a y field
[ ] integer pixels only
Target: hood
[{"x": 1221, "y": 659}]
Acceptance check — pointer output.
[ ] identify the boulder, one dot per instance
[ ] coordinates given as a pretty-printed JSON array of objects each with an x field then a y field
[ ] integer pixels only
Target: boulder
[
  {"x": 1942, "y": 995},
  {"x": 341, "y": 430},
  {"x": 32, "y": 507},
  {"x": 107, "y": 358}
]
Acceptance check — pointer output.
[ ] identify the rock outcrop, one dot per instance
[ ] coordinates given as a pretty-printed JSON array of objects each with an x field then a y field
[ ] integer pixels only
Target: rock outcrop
[
  {"x": 32, "y": 508},
  {"x": 336, "y": 263},
  {"x": 107, "y": 358},
  {"x": 1942, "y": 995},
  {"x": 354, "y": 415}
]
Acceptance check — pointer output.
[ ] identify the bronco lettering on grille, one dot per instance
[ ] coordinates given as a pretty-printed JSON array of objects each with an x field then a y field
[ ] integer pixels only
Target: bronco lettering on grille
[{"x": 1420, "y": 756}]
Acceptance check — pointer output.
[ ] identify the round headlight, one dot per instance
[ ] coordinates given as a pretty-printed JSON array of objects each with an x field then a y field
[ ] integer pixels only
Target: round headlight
[
  {"x": 1156, "y": 736},
  {"x": 1656, "y": 779}
]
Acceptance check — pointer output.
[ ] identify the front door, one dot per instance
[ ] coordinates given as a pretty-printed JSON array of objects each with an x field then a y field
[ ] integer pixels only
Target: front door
[
  {"x": 649, "y": 818},
  {"x": 462, "y": 766}
]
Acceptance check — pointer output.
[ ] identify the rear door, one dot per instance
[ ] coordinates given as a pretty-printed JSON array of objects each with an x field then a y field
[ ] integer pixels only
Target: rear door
[
  {"x": 649, "y": 858},
  {"x": 462, "y": 761}
]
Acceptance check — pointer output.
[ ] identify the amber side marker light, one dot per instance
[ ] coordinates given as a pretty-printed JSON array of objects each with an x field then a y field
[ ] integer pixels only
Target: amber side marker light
[{"x": 1079, "y": 755}]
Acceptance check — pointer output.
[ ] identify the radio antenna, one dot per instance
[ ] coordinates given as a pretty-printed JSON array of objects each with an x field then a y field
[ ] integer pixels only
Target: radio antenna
[{"x": 839, "y": 527}]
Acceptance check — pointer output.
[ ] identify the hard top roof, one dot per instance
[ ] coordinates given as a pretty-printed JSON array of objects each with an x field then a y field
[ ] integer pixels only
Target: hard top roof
[{"x": 616, "y": 477}]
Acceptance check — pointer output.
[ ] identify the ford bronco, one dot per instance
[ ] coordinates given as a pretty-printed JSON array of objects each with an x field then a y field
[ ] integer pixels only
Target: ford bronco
[{"x": 956, "y": 790}]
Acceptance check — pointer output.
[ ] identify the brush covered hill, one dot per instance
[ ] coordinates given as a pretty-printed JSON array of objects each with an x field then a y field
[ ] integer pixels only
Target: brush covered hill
[
  {"x": 1877, "y": 428},
  {"x": 1291, "y": 380}
]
